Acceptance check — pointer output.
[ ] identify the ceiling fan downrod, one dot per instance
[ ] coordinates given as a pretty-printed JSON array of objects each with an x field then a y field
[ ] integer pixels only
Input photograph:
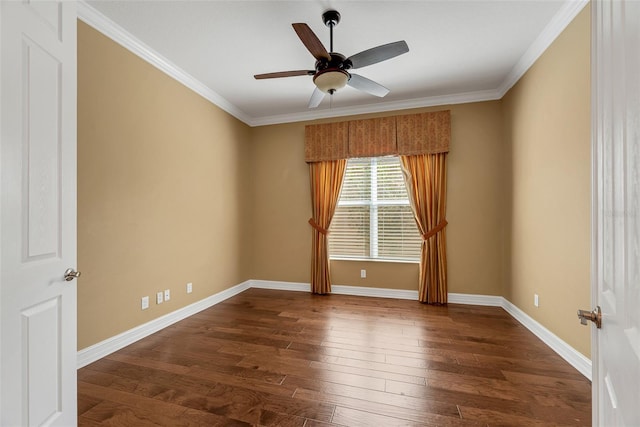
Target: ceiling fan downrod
[{"x": 331, "y": 18}]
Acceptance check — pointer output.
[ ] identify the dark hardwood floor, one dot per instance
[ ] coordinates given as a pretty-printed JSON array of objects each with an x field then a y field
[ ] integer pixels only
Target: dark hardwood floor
[{"x": 276, "y": 358}]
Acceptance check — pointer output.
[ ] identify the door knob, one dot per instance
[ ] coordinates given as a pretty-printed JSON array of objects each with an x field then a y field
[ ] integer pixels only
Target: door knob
[
  {"x": 71, "y": 274},
  {"x": 595, "y": 316}
]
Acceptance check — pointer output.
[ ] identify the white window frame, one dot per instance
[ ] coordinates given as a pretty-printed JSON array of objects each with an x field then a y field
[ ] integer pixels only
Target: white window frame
[{"x": 373, "y": 205}]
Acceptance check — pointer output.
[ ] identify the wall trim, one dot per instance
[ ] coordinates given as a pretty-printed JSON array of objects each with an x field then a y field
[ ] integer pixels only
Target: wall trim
[
  {"x": 108, "y": 346},
  {"x": 374, "y": 292},
  {"x": 474, "y": 299},
  {"x": 564, "y": 350},
  {"x": 431, "y": 101},
  {"x": 281, "y": 286},
  {"x": 98, "y": 21},
  {"x": 554, "y": 28}
]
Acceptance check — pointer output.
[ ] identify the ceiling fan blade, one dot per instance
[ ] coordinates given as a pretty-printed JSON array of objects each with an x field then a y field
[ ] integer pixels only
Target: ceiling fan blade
[
  {"x": 366, "y": 85},
  {"x": 311, "y": 41},
  {"x": 316, "y": 98},
  {"x": 378, "y": 54},
  {"x": 285, "y": 74}
]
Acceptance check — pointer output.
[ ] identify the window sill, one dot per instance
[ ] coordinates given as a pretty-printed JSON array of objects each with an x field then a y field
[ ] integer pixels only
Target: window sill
[{"x": 395, "y": 261}]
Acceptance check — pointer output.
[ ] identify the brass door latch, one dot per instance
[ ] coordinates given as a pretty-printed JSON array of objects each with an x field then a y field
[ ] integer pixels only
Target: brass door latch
[{"x": 595, "y": 316}]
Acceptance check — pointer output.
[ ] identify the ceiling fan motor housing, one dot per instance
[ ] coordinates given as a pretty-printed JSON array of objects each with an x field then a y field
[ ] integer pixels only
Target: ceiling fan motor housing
[
  {"x": 332, "y": 75},
  {"x": 337, "y": 61}
]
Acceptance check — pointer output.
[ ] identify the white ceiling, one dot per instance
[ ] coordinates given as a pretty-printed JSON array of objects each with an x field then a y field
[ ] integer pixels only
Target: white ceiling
[{"x": 460, "y": 51}]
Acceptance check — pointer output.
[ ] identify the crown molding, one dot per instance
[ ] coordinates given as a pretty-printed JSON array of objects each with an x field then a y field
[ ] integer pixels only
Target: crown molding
[
  {"x": 554, "y": 28},
  {"x": 459, "y": 98},
  {"x": 101, "y": 23},
  {"x": 558, "y": 23}
]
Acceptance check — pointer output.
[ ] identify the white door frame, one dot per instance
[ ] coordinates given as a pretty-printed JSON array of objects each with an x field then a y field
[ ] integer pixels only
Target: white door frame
[{"x": 595, "y": 381}]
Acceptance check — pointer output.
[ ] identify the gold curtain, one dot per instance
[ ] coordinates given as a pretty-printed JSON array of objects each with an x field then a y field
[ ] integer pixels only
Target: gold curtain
[
  {"x": 426, "y": 179},
  {"x": 422, "y": 141},
  {"x": 326, "y": 182}
]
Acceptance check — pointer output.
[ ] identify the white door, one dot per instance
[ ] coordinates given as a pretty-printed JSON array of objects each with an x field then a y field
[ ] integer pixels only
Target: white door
[
  {"x": 616, "y": 213},
  {"x": 37, "y": 213}
]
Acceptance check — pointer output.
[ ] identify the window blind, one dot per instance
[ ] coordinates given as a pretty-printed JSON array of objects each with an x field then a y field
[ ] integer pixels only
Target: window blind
[{"x": 373, "y": 219}]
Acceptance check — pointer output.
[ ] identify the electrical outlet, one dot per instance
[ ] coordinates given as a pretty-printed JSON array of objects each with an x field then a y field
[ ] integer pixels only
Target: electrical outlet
[
  {"x": 159, "y": 298},
  {"x": 363, "y": 274},
  {"x": 189, "y": 287},
  {"x": 145, "y": 302},
  {"x": 167, "y": 294},
  {"x": 536, "y": 300}
]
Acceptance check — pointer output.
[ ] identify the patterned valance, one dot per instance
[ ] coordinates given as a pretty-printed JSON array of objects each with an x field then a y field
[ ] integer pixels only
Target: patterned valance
[
  {"x": 373, "y": 137},
  {"x": 424, "y": 133},
  {"x": 428, "y": 133},
  {"x": 326, "y": 142}
]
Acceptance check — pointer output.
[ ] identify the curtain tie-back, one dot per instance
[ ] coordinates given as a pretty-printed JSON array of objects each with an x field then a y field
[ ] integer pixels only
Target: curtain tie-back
[
  {"x": 435, "y": 230},
  {"x": 317, "y": 227}
]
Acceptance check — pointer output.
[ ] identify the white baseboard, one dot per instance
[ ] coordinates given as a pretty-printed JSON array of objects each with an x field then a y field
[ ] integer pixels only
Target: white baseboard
[
  {"x": 473, "y": 299},
  {"x": 568, "y": 353},
  {"x": 363, "y": 291},
  {"x": 281, "y": 286},
  {"x": 97, "y": 351},
  {"x": 374, "y": 292},
  {"x": 108, "y": 346}
]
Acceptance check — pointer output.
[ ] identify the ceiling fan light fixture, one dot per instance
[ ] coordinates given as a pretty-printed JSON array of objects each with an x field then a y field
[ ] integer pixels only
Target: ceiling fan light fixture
[
  {"x": 330, "y": 72},
  {"x": 331, "y": 80}
]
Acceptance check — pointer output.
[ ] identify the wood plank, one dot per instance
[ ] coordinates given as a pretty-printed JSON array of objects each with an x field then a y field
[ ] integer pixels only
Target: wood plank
[
  {"x": 121, "y": 414},
  {"x": 422, "y": 416},
  {"x": 330, "y": 367},
  {"x": 323, "y": 388},
  {"x": 355, "y": 418},
  {"x": 504, "y": 418},
  {"x": 86, "y": 402},
  {"x": 277, "y": 358},
  {"x": 225, "y": 401}
]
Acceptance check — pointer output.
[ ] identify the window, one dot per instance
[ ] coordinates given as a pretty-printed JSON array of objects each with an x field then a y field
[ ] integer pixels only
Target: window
[{"x": 373, "y": 219}]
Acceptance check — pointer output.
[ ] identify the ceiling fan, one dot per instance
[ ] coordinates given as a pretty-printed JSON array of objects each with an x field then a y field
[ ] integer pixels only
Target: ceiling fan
[{"x": 332, "y": 68}]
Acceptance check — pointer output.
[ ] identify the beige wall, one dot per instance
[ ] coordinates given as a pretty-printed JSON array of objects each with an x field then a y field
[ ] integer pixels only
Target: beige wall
[
  {"x": 547, "y": 131},
  {"x": 162, "y": 191},
  {"x": 282, "y": 206},
  {"x": 173, "y": 190}
]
